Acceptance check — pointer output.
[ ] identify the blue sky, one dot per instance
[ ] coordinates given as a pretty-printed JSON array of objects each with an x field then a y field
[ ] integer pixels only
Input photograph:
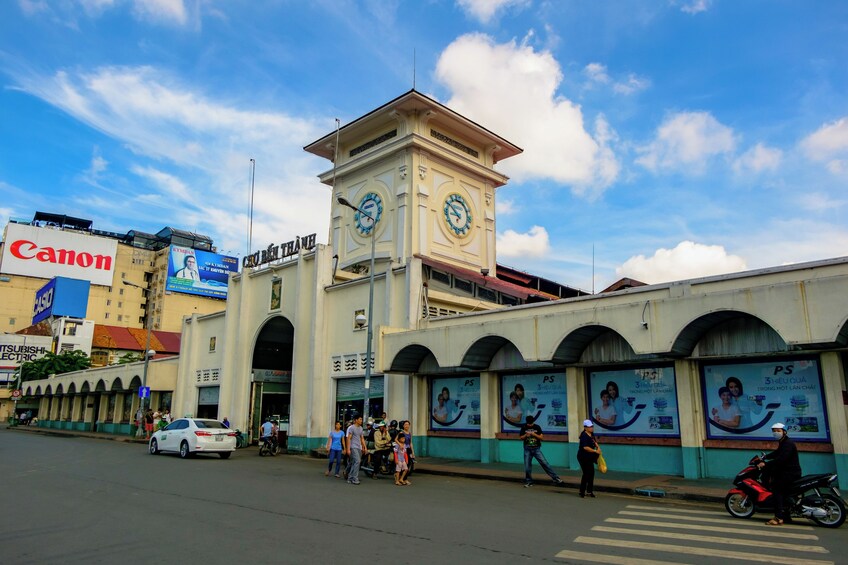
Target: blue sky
[{"x": 678, "y": 138}]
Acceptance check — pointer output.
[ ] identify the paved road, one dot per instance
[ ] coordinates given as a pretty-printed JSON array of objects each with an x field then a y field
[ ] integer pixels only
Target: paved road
[{"x": 76, "y": 500}]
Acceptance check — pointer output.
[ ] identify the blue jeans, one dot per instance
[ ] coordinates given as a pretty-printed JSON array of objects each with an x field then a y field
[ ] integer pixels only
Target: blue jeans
[
  {"x": 353, "y": 469},
  {"x": 334, "y": 455},
  {"x": 529, "y": 454}
]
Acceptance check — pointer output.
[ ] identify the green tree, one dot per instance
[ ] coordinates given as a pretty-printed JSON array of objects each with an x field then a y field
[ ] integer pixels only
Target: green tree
[
  {"x": 129, "y": 357},
  {"x": 52, "y": 364}
]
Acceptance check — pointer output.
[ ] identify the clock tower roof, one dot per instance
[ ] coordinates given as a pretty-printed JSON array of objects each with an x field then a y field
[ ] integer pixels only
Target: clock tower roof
[{"x": 415, "y": 102}]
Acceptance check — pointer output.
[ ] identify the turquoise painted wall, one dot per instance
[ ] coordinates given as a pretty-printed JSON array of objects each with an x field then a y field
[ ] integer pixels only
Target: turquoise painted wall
[
  {"x": 511, "y": 451},
  {"x": 725, "y": 463},
  {"x": 300, "y": 444},
  {"x": 448, "y": 448},
  {"x": 639, "y": 459}
]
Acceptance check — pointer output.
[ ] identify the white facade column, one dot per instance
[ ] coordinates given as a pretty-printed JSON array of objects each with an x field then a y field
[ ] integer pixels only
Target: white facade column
[
  {"x": 833, "y": 377},
  {"x": 490, "y": 417},
  {"x": 575, "y": 386},
  {"x": 691, "y": 417}
]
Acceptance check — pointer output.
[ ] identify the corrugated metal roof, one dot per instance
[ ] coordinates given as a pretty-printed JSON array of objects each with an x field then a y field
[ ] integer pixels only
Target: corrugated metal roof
[{"x": 491, "y": 283}]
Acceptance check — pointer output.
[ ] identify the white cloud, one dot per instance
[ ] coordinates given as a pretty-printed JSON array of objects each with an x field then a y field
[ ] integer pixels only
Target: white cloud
[
  {"x": 534, "y": 243},
  {"x": 485, "y": 10},
  {"x": 631, "y": 84},
  {"x": 170, "y": 11},
  {"x": 687, "y": 260},
  {"x": 97, "y": 166},
  {"x": 504, "y": 207},
  {"x": 819, "y": 202},
  {"x": 485, "y": 78},
  {"x": 33, "y": 7},
  {"x": 597, "y": 73},
  {"x": 168, "y": 184},
  {"x": 686, "y": 141},
  {"x": 695, "y": 6},
  {"x": 758, "y": 159},
  {"x": 96, "y": 7},
  {"x": 198, "y": 150},
  {"x": 829, "y": 144}
]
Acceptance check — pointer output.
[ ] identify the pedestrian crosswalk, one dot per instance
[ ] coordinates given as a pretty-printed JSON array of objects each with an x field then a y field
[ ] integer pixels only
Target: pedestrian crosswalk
[{"x": 641, "y": 534}]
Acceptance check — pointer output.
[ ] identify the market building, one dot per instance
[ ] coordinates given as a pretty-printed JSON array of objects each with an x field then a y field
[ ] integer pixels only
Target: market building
[{"x": 682, "y": 378}]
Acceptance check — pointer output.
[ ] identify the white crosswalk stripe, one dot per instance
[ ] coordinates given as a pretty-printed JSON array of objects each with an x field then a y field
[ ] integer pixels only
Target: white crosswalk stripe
[{"x": 645, "y": 532}]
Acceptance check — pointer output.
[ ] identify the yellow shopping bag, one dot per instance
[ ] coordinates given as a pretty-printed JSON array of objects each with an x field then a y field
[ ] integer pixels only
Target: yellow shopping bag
[{"x": 602, "y": 464}]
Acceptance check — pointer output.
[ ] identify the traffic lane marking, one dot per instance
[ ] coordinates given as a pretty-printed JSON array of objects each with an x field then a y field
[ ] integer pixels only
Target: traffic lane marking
[
  {"x": 776, "y": 533},
  {"x": 710, "y": 520},
  {"x": 713, "y": 539},
  {"x": 702, "y": 551},
  {"x": 611, "y": 559}
]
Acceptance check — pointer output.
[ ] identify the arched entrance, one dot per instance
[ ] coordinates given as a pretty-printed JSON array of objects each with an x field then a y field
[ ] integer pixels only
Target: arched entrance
[{"x": 272, "y": 375}]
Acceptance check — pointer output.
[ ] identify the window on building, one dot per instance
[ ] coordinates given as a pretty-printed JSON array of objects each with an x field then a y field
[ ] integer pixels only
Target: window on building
[
  {"x": 120, "y": 317},
  {"x": 466, "y": 286},
  {"x": 12, "y": 321},
  {"x": 121, "y": 291},
  {"x": 123, "y": 275},
  {"x": 106, "y": 316},
  {"x": 108, "y": 302},
  {"x": 120, "y": 304}
]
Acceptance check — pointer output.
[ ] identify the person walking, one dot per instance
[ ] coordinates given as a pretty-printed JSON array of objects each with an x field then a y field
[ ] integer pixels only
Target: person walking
[
  {"x": 587, "y": 456},
  {"x": 148, "y": 423},
  {"x": 532, "y": 436},
  {"x": 784, "y": 467},
  {"x": 355, "y": 447},
  {"x": 335, "y": 446}
]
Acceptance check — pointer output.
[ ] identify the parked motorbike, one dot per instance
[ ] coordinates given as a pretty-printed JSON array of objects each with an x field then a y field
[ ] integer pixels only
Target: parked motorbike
[
  {"x": 241, "y": 440},
  {"x": 267, "y": 446},
  {"x": 386, "y": 466},
  {"x": 815, "y": 497}
]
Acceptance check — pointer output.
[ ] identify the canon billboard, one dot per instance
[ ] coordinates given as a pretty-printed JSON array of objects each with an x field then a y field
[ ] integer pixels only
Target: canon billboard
[{"x": 47, "y": 253}]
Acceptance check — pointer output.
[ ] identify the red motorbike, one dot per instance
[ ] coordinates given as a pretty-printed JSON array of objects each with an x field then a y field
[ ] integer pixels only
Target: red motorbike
[{"x": 815, "y": 497}]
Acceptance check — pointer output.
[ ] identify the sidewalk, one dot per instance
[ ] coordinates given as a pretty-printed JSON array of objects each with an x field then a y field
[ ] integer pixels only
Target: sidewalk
[{"x": 656, "y": 486}]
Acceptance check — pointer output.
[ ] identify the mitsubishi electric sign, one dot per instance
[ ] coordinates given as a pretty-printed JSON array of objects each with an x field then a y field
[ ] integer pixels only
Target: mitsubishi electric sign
[
  {"x": 16, "y": 349},
  {"x": 46, "y": 253}
]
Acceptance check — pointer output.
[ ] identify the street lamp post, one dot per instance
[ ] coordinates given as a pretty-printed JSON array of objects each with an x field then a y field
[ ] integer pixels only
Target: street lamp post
[
  {"x": 344, "y": 202},
  {"x": 147, "y": 351}
]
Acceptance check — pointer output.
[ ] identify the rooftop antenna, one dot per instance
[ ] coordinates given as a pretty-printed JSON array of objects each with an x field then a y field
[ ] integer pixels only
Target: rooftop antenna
[
  {"x": 593, "y": 268},
  {"x": 250, "y": 212}
]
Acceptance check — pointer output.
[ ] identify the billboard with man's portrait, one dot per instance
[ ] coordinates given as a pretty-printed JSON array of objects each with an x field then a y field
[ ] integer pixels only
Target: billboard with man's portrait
[{"x": 202, "y": 273}]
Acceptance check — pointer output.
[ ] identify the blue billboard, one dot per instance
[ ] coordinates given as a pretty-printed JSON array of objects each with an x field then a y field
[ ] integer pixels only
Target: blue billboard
[
  {"x": 192, "y": 271},
  {"x": 61, "y": 297}
]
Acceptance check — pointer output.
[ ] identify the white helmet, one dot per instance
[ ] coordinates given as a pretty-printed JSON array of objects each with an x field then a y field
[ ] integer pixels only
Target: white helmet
[{"x": 778, "y": 426}]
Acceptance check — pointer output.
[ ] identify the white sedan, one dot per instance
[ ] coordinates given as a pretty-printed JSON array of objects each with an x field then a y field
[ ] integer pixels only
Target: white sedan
[{"x": 188, "y": 436}]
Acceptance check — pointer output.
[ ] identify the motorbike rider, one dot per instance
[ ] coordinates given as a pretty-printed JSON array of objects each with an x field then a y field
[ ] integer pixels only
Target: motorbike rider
[
  {"x": 393, "y": 429},
  {"x": 382, "y": 446},
  {"x": 266, "y": 432},
  {"x": 784, "y": 468}
]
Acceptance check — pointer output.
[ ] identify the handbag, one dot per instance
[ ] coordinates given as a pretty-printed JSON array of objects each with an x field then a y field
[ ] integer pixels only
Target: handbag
[{"x": 602, "y": 464}]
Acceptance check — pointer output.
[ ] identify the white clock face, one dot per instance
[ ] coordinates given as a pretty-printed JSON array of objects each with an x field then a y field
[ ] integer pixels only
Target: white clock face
[
  {"x": 457, "y": 214},
  {"x": 372, "y": 205}
]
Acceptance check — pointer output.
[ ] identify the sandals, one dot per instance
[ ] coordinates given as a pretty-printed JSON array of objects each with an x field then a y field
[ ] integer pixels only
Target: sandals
[
  {"x": 406, "y": 483},
  {"x": 398, "y": 484},
  {"x": 774, "y": 522}
]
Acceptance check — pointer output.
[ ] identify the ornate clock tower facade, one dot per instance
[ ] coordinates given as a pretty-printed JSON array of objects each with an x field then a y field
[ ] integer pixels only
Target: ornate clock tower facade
[{"x": 425, "y": 175}]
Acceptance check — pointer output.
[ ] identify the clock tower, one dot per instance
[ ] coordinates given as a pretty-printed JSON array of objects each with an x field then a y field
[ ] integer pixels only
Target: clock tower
[{"x": 425, "y": 177}]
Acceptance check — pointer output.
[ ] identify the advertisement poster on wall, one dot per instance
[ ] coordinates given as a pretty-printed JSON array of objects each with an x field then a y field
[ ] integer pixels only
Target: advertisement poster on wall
[
  {"x": 634, "y": 402},
  {"x": 743, "y": 400},
  {"x": 541, "y": 395},
  {"x": 455, "y": 404},
  {"x": 199, "y": 272}
]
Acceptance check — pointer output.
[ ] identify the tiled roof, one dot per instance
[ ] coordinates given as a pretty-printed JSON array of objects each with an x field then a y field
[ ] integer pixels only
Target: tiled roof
[{"x": 134, "y": 339}]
